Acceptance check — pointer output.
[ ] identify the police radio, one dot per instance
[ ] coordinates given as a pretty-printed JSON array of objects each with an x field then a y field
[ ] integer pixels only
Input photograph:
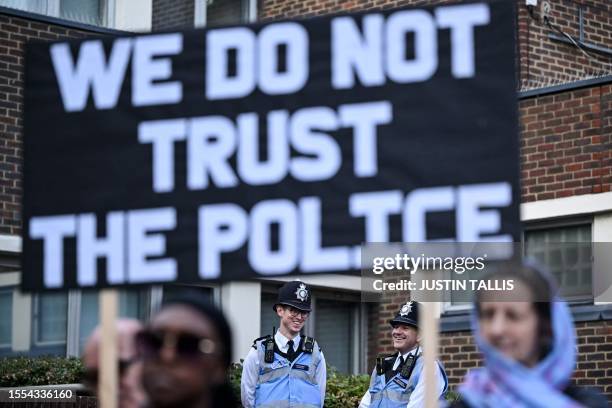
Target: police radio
[
  {"x": 308, "y": 346},
  {"x": 380, "y": 365},
  {"x": 409, "y": 364},
  {"x": 269, "y": 348}
]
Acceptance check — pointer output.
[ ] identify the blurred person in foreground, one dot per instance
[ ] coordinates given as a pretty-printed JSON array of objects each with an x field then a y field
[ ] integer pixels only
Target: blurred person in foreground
[
  {"x": 398, "y": 380},
  {"x": 131, "y": 394},
  {"x": 529, "y": 347},
  {"x": 186, "y": 351}
]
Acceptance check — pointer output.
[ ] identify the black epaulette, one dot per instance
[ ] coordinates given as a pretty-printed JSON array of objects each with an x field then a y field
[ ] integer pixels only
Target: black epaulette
[
  {"x": 308, "y": 344},
  {"x": 260, "y": 338},
  {"x": 383, "y": 363}
]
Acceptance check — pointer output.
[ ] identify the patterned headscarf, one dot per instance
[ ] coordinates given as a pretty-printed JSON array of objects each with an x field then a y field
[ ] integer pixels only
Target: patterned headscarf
[{"x": 505, "y": 383}]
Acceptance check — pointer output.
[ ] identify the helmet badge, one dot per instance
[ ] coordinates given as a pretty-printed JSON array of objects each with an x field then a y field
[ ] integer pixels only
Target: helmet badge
[
  {"x": 406, "y": 309},
  {"x": 302, "y": 293}
]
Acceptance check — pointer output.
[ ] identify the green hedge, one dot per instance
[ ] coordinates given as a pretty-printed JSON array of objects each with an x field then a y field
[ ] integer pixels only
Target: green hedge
[{"x": 22, "y": 371}]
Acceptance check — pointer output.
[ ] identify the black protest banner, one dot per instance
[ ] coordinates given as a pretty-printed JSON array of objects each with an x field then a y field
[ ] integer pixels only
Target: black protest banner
[{"x": 268, "y": 149}]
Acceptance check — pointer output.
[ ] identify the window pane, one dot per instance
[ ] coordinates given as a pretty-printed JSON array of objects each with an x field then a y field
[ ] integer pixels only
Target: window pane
[
  {"x": 333, "y": 332},
  {"x": 89, "y": 316},
  {"x": 82, "y": 11},
  {"x": 6, "y": 316},
  {"x": 52, "y": 313},
  {"x": 223, "y": 12},
  {"x": 269, "y": 319},
  {"x": 33, "y": 6},
  {"x": 132, "y": 303},
  {"x": 567, "y": 252}
]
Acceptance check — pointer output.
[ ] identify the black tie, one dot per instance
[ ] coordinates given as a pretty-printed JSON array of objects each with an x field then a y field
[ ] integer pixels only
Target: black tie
[
  {"x": 401, "y": 364},
  {"x": 390, "y": 373},
  {"x": 290, "y": 351}
]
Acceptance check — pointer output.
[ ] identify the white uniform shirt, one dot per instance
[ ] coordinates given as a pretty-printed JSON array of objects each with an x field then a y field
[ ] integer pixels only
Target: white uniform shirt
[
  {"x": 417, "y": 398},
  {"x": 250, "y": 370}
]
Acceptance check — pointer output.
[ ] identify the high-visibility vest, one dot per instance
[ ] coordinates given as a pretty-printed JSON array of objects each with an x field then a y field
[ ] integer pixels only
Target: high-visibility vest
[
  {"x": 396, "y": 392},
  {"x": 285, "y": 384}
]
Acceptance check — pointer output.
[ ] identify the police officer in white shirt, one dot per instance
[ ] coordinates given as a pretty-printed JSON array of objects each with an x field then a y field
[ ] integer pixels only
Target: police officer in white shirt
[
  {"x": 397, "y": 380},
  {"x": 286, "y": 369}
]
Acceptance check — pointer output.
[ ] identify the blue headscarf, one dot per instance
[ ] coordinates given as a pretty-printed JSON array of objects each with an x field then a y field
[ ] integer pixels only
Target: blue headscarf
[{"x": 505, "y": 383}]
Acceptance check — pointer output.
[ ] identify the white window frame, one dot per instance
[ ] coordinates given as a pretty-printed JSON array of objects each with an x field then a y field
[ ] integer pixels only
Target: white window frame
[{"x": 52, "y": 9}]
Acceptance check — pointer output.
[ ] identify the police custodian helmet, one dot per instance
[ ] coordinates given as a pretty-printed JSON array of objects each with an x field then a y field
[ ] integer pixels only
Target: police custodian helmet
[
  {"x": 295, "y": 294},
  {"x": 408, "y": 314}
]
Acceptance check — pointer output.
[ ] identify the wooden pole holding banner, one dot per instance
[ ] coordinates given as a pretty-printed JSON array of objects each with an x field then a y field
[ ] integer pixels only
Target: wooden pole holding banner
[
  {"x": 107, "y": 380},
  {"x": 429, "y": 337}
]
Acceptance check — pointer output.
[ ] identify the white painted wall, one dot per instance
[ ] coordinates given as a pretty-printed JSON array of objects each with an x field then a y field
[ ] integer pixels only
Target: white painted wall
[
  {"x": 22, "y": 321},
  {"x": 241, "y": 303},
  {"x": 565, "y": 207}
]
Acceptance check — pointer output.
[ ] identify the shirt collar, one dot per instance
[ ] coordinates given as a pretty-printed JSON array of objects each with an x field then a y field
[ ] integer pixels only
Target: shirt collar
[
  {"x": 282, "y": 341},
  {"x": 411, "y": 352}
]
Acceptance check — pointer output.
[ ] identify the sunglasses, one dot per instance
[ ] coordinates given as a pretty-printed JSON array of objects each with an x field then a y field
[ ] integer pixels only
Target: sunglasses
[
  {"x": 90, "y": 376},
  {"x": 185, "y": 345}
]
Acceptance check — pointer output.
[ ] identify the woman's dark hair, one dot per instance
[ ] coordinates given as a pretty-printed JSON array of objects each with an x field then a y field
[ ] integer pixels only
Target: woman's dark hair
[
  {"x": 223, "y": 394},
  {"x": 203, "y": 306},
  {"x": 542, "y": 293}
]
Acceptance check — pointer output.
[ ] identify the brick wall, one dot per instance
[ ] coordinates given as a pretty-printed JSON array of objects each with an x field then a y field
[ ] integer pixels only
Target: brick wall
[
  {"x": 594, "y": 368},
  {"x": 14, "y": 32},
  {"x": 173, "y": 14},
  {"x": 277, "y": 9},
  {"x": 566, "y": 143},
  {"x": 545, "y": 62}
]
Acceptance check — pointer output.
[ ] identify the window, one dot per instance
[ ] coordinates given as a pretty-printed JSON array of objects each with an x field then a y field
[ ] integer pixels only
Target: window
[
  {"x": 223, "y": 12},
  {"x": 91, "y": 12},
  {"x": 565, "y": 249},
  {"x": 50, "y": 319},
  {"x": 567, "y": 252},
  {"x": 333, "y": 331},
  {"x": 132, "y": 303},
  {"x": 269, "y": 319},
  {"x": 6, "y": 317},
  {"x": 62, "y": 322}
]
